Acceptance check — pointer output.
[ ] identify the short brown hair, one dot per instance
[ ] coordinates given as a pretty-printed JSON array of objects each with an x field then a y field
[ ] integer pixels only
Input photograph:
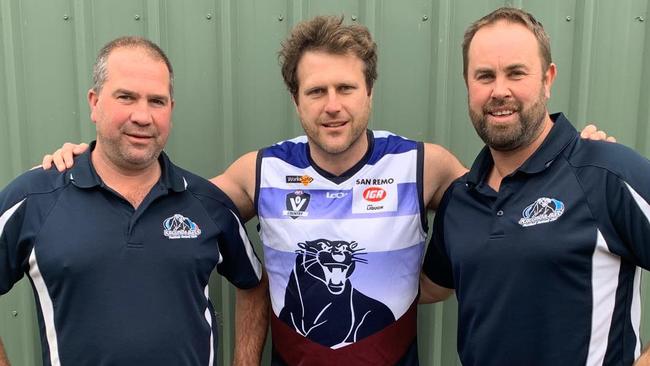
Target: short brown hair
[
  {"x": 100, "y": 67},
  {"x": 512, "y": 15},
  {"x": 328, "y": 34}
]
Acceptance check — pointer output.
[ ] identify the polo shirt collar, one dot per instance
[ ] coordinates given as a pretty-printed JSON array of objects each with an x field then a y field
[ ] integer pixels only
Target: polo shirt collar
[
  {"x": 561, "y": 134},
  {"x": 83, "y": 174}
]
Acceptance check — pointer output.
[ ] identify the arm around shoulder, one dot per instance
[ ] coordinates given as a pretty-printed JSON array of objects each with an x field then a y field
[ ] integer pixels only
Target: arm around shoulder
[
  {"x": 4, "y": 361},
  {"x": 251, "y": 323},
  {"x": 431, "y": 292},
  {"x": 644, "y": 359},
  {"x": 440, "y": 169},
  {"x": 238, "y": 182}
]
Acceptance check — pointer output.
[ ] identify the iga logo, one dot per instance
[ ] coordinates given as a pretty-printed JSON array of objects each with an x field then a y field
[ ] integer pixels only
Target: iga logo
[{"x": 374, "y": 194}]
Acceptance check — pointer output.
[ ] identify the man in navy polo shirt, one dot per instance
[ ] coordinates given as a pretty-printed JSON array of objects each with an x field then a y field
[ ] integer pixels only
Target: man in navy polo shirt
[
  {"x": 119, "y": 249},
  {"x": 544, "y": 238}
]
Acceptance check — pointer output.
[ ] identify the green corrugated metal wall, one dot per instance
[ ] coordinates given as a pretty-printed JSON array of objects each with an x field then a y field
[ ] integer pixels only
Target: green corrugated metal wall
[{"x": 230, "y": 97}]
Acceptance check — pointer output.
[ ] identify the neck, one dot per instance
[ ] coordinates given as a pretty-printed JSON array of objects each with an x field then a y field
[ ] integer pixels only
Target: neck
[
  {"x": 506, "y": 162},
  {"x": 338, "y": 164},
  {"x": 132, "y": 184}
]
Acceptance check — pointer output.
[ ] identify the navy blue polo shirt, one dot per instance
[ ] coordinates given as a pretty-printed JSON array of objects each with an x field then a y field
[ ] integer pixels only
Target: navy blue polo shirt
[
  {"x": 546, "y": 270},
  {"x": 116, "y": 285}
]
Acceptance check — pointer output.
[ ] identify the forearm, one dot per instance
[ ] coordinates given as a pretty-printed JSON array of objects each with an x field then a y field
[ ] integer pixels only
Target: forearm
[
  {"x": 4, "y": 361},
  {"x": 431, "y": 292},
  {"x": 644, "y": 359},
  {"x": 251, "y": 323}
]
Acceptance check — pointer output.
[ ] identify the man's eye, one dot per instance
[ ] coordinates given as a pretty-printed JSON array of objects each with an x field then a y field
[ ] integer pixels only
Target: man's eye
[
  {"x": 517, "y": 74},
  {"x": 158, "y": 102},
  {"x": 316, "y": 92},
  {"x": 125, "y": 97},
  {"x": 484, "y": 77}
]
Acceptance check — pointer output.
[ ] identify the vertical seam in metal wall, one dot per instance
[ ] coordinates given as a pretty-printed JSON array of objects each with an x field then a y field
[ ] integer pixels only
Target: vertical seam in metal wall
[
  {"x": 439, "y": 117},
  {"x": 369, "y": 19},
  {"x": 582, "y": 64},
  {"x": 227, "y": 53},
  {"x": 441, "y": 129},
  {"x": 227, "y": 120},
  {"x": 81, "y": 64},
  {"x": 13, "y": 108},
  {"x": 299, "y": 12},
  {"x": 643, "y": 136},
  {"x": 517, "y": 3},
  {"x": 152, "y": 21}
]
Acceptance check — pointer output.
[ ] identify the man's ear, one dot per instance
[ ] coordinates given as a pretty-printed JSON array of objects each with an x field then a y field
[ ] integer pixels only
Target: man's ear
[
  {"x": 294, "y": 99},
  {"x": 549, "y": 78},
  {"x": 93, "y": 98}
]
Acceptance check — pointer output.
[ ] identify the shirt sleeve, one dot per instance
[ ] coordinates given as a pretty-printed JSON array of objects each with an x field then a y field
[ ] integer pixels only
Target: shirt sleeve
[
  {"x": 628, "y": 210},
  {"x": 13, "y": 254},
  {"x": 617, "y": 185},
  {"x": 238, "y": 261}
]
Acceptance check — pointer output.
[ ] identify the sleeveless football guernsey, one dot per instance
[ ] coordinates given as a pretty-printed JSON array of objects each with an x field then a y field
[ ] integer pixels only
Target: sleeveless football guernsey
[{"x": 343, "y": 253}]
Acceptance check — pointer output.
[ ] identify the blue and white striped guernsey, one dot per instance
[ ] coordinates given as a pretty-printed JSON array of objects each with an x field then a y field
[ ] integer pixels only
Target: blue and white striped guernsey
[{"x": 343, "y": 253}]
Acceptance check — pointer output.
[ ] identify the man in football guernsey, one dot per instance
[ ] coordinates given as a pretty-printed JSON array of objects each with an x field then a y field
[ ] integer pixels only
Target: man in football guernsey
[
  {"x": 119, "y": 249},
  {"x": 549, "y": 272},
  {"x": 342, "y": 212}
]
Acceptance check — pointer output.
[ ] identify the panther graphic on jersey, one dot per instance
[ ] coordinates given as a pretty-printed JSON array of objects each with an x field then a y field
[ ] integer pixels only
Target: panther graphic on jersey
[{"x": 320, "y": 301}]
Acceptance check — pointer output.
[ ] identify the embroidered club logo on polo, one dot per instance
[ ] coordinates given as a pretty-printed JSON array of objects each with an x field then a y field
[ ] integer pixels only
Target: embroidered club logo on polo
[
  {"x": 180, "y": 227},
  {"x": 542, "y": 211},
  {"x": 296, "y": 204}
]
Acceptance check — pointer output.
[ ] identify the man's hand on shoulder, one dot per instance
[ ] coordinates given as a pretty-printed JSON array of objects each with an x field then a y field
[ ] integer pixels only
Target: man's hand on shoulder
[
  {"x": 591, "y": 132},
  {"x": 63, "y": 158}
]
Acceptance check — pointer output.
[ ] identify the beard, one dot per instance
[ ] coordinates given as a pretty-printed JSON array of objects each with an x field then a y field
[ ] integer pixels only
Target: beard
[{"x": 509, "y": 137}]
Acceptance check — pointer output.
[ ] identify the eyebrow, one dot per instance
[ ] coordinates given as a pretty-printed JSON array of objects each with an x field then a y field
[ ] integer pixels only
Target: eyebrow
[
  {"x": 152, "y": 96},
  {"x": 124, "y": 91},
  {"x": 516, "y": 67},
  {"x": 487, "y": 70}
]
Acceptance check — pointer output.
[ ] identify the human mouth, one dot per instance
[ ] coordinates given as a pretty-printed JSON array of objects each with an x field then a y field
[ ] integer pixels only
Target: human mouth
[
  {"x": 334, "y": 124},
  {"x": 139, "y": 137},
  {"x": 506, "y": 112}
]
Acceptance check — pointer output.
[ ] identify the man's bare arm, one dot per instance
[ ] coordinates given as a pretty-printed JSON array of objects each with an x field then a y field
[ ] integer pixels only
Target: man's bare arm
[
  {"x": 251, "y": 323},
  {"x": 238, "y": 182},
  {"x": 431, "y": 292},
  {"x": 440, "y": 169},
  {"x": 4, "y": 361}
]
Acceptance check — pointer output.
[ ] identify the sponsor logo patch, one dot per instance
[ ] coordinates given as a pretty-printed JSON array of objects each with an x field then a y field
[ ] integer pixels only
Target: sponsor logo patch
[
  {"x": 304, "y": 179},
  {"x": 374, "y": 181},
  {"x": 296, "y": 204},
  {"x": 542, "y": 211},
  {"x": 180, "y": 227},
  {"x": 374, "y": 199},
  {"x": 335, "y": 195},
  {"x": 374, "y": 194}
]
